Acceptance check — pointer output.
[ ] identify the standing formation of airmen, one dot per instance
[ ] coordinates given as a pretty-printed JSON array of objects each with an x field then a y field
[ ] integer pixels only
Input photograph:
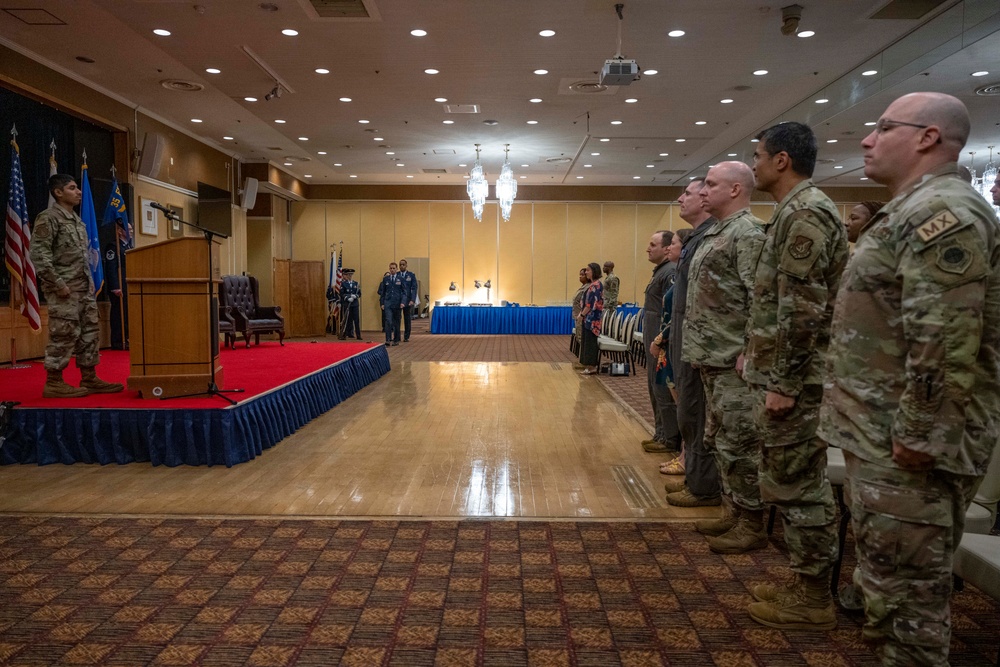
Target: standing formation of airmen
[{"x": 892, "y": 355}]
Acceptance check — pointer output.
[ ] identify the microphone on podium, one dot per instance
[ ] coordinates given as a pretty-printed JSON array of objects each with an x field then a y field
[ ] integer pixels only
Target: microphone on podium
[{"x": 160, "y": 207}]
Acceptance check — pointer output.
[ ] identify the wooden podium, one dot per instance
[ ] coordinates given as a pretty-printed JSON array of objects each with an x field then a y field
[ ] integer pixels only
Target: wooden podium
[{"x": 173, "y": 318}]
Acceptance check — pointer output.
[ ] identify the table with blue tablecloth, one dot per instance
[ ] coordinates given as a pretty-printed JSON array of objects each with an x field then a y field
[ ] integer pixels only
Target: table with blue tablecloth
[{"x": 504, "y": 320}]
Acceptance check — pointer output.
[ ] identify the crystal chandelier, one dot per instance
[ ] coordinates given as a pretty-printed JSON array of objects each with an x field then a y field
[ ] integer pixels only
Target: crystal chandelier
[
  {"x": 506, "y": 185},
  {"x": 477, "y": 188}
]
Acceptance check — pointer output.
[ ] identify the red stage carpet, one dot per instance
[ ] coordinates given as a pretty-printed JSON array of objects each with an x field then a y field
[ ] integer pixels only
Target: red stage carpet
[
  {"x": 256, "y": 369},
  {"x": 285, "y": 387}
]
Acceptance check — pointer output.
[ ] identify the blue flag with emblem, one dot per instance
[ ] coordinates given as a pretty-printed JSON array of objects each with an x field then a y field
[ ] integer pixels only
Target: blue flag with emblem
[
  {"x": 89, "y": 217},
  {"x": 115, "y": 211}
]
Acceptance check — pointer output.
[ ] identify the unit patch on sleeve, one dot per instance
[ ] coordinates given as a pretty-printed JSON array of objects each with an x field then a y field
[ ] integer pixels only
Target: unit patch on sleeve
[{"x": 800, "y": 247}]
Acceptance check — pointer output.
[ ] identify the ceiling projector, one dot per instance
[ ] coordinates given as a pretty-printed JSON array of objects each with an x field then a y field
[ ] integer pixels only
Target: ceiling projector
[{"x": 619, "y": 72}]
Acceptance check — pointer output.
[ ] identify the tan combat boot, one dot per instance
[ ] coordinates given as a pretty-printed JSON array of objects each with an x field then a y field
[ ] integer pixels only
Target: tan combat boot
[
  {"x": 747, "y": 535},
  {"x": 808, "y": 608},
  {"x": 725, "y": 523},
  {"x": 776, "y": 591},
  {"x": 96, "y": 385},
  {"x": 57, "y": 387}
]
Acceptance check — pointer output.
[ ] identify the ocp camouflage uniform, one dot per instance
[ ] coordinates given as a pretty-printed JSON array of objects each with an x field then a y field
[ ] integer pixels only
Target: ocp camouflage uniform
[
  {"x": 720, "y": 290},
  {"x": 915, "y": 358},
  {"x": 611, "y": 287},
  {"x": 797, "y": 278},
  {"x": 59, "y": 251}
]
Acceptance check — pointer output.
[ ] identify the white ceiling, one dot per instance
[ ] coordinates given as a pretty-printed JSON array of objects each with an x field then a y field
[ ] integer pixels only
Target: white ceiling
[{"x": 486, "y": 53}]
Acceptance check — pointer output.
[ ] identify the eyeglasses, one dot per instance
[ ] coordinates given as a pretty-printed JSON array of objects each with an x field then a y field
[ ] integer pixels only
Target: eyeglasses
[{"x": 884, "y": 124}]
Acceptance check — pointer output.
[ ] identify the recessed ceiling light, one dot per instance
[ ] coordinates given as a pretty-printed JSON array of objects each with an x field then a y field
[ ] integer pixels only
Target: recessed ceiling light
[
  {"x": 400, "y": 164},
  {"x": 308, "y": 175},
  {"x": 588, "y": 166},
  {"x": 353, "y": 176},
  {"x": 279, "y": 121},
  {"x": 631, "y": 100},
  {"x": 869, "y": 72},
  {"x": 532, "y": 122},
  {"x": 870, "y": 123},
  {"x": 690, "y": 178},
  {"x": 547, "y": 33},
  {"x": 650, "y": 72},
  {"x": 726, "y": 101},
  {"x": 524, "y": 165},
  {"x": 320, "y": 152},
  {"x": 409, "y": 175},
  {"x": 249, "y": 99},
  {"x": 675, "y": 33},
  {"x": 980, "y": 73},
  {"x": 730, "y": 154},
  {"x": 680, "y": 141},
  {"x": 541, "y": 71},
  {"x": 161, "y": 32},
  {"x": 864, "y": 178},
  {"x": 605, "y": 139},
  {"x": 417, "y": 32},
  {"x": 839, "y": 166},
  {"x": 462, "y": 164},
  {"x": 377, "y": 139},
  {"x": 535, "y": 100},
  {"x": 616, "y": 122},
  {"x": 580, "y": 177},
  {"x": 701, "y": 122},
  {"x": 196, "y": 120},
  {"x": 806, "y": 33},
  {"x": 522, "y": 176},
  {"x": 289, "y": 32},
  {"x": 650, "y": 166},
  {"x": 303, "y": 138},
  {"x": 364, "y": 122},
  {"x": 636, "y": 178},
  {"x": 664, "y": 154},
  {"x": 430, "y": 70},
  {"x": 822, "y": 100},
  {"x": 831, "y": 141},
  {"x": 213, "y": 70},
  {"x": 448, "y": 122},
  {"x": 228, "y": 138},
  {"x": 440, "y": 99},
  {"x": 338, "y": 164},
  {"x": 322, "y": 70},
  {"x": 759, "y": 72},
  {"x": 287, "y": 164},
  {"x": 345, "y": 99},
  {"x": 595, "y": 153},
  {"x": 754, "y": 141}
]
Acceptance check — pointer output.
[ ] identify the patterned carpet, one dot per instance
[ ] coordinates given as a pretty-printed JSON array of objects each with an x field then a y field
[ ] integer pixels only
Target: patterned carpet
[{"x": 168, "y": 591}]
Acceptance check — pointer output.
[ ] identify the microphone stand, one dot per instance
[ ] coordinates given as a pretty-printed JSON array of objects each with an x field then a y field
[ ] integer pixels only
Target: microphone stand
[{"x": 213, "y": 388}]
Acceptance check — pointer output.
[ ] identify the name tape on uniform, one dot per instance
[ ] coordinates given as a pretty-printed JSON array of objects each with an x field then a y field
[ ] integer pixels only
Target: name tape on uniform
[{"x": 937, "y": 226}]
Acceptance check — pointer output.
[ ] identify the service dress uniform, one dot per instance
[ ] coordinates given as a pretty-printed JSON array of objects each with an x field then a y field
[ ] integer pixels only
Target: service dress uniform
[
  {"x": 393, "y": 300},
  {"x": 798, "y": 274},
  {"x": 59, "y": 251},
  {"x": 720, "y": 290},
  {"x": 115, "y": 280},
  {"x": 914, "y": 359},
  {"x": 409, "y": 279},
  {"x": 350, "y": 300}
]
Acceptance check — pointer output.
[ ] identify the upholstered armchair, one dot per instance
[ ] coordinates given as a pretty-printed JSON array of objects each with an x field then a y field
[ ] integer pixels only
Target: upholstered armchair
[
  {"x": 227, "y": 327},
  {"x": 240, "y": 294}
]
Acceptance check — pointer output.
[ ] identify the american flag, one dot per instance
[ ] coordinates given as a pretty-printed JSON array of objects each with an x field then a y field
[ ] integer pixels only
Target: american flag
[{"x": 18, "y": 244}]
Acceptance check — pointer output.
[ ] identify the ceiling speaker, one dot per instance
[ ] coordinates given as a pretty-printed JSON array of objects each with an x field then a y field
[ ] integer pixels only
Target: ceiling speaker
[
  {"x": 151, "y": 156},
  {"x": 248, "y": 195}
]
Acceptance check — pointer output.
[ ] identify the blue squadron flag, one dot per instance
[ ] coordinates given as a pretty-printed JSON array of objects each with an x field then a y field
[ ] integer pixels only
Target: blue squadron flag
[
  {"x": 89, "y": 218},
  {"x": 115, "y": 211}
]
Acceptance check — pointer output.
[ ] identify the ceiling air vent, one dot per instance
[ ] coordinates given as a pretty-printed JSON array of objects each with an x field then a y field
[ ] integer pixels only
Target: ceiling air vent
[
  {"x": 558, "y": 160},
  {"x": 444, "y": 151},
  {"x": 987, "y": 91},
  {"x": 295, "y": 158},
  {"x": 182, "y": 86},
  {"x": 570, "y": 86},
  {"x": 461, "y": 108},
  {"x": 906, "y": 9},
  {"x": 344, "y": 9},
  {"x": 672, "y": 172},
  {"x": 434, "y": 171}
]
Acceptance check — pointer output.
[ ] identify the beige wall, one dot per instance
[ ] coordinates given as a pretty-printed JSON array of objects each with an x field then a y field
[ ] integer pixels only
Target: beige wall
[{"x": 533, "y": 258}]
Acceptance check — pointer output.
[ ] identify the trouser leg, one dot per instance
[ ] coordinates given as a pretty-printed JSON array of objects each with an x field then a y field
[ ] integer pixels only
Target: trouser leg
[
  {"x": 701, "y": 475},
  {"x": 664, "y": 408},
  {"x": 793, "y": 478},
  {"x": 907, "y": 525},
  {"x": 729, "y": 428},
  {"x": 407, "y": 321}
]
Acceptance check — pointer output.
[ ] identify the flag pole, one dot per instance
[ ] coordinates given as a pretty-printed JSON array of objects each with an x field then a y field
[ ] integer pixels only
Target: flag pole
[
  {"x": 14, "y": 285},
  {"x": 340, "y": 311}
]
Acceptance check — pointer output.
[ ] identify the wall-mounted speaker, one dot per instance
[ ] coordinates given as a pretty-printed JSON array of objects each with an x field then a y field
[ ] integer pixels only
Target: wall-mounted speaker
[
  {"x": 248, "y": 195},
  {"x": 151, "y": 156}
]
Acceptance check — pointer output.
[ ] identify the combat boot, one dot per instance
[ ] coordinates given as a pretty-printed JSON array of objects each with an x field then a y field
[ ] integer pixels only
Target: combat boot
[
  {"x": 747, "y": 535},
  {"x": 725, "y": 523},
  {"x": 776, "y": 591},
  {"x": 810, "y": 607},
  {"x": 57, "y": 387},
  {"x": 95, "y": 384}
]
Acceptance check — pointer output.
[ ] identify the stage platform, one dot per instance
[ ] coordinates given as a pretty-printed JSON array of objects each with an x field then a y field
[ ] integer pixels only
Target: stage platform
[{"x": 285, "y": 387}]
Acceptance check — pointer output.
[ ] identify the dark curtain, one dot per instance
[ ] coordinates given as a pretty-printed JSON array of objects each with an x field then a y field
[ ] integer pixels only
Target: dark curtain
[{"x": 37, "y": 126}]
